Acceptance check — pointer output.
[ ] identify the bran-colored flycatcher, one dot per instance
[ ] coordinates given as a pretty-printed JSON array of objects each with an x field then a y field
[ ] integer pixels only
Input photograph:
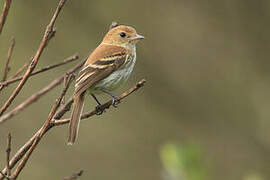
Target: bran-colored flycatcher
[{"x": 109, "y": 66}]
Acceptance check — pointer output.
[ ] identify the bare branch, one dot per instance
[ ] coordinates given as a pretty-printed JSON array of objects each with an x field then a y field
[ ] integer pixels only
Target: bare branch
[
  {"x": 7, "y": 175},
  {"x": 65, "y": 108},
  {"x": 49, "y": 32},
  {"x": 46, "y": 68},
  {"x": 57, "y": 104},
  {"x": 74, "y": 175},
  {"x": 8, "y": 150},
  {"x": 25, "y": 159},
  {"x": 20, "y": 153},
  {"x": 25, "y": 151},
  {"x": 4, "y": 14},
  {"x": 43, "y": 130},
  {"x": 37, "y": 95},
  {"x": 7, "y": 68}
]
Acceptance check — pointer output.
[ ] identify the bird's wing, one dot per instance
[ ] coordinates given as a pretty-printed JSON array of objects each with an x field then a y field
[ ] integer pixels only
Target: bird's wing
[{"x": 101, "y": 63}]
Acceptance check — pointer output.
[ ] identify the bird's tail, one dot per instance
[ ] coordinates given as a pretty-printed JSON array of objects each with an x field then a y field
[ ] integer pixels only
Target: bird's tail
[{"x": 75, "y": 118}]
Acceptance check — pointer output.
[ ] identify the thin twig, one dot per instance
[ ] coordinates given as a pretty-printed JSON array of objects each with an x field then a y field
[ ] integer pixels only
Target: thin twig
[
  {"x": 46, "y": 68},
  {"x": 4, "y": 14},
  {"x": 7, "y": 68},
  {"x": 74, "y": 175},
  {"x": 20, "y": 70},
  {"x": 4, "y": 176},
  {"x": 43, "y": 130},
  {"x": 8, "y": 150},
  {"x": 49, "y": 33},
  {"x": 21, "y": 153},
  {"x": 37, "y": 95},
  {"x": 65, "y": 108},
  {"x": 57, "y": 104},
  {"x": 103, "y": 106},
  {"x": 25, "y": 159}
]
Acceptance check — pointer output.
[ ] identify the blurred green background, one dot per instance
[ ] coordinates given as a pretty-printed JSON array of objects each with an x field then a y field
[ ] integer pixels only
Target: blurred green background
[{"x": 207, "y": 70}]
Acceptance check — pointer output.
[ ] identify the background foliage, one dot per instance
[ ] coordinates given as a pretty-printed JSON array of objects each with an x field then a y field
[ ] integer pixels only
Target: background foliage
[{"x": 207, "y": 66}]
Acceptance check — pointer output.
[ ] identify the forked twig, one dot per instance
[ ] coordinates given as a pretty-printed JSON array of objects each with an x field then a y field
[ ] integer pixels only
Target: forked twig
[
  {"x": 42, "y": 131},
  {"x": 49, "y": 33},
  {"x": 25, "y": 159},
  {"x": 37, "y": 95},
  {"x": 46, "y": 68}
]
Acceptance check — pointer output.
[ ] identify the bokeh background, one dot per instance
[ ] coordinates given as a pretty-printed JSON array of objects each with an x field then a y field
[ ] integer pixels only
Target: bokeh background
[{"x": 203, "y": 114}]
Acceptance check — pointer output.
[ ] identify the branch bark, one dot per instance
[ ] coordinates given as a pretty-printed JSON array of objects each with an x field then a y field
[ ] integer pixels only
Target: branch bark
[
  {"x": 46, "y": 68},
  {"x": 4, "y": 14},
  {"x": 7, "y": 68},
  {"x": 49, "y": 33},
  {"x": 43, "y": 130},
  {"x": 37, "y": 95},
  {"x": 8, "y": 150}
]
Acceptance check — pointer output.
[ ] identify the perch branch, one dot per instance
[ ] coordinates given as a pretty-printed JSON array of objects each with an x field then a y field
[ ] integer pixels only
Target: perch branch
[
  {"x": 105, "y": 105},
  {"x": 46, "y": 68},
  {"x": 74, "y": 175},
  {"x": 37, "y": 95},
  {"x": 28, "y": 146},
  {"x": 4, "y": 14},
  {"x": 7, "y": 68},
  {"x": 49, "y": 33}
]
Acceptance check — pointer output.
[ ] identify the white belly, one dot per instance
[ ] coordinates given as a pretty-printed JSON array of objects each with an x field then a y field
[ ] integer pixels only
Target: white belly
[{"x": 118, "y": 77}]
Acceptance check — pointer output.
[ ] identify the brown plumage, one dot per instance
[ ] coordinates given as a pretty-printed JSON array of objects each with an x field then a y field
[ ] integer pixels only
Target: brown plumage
[
  {"x": 103, "y": 51},
  {"x": 107, "y": 67}
]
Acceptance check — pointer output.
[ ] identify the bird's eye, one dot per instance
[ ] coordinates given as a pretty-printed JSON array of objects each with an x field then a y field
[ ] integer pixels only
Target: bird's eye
[{"x": 122, "y": 34}]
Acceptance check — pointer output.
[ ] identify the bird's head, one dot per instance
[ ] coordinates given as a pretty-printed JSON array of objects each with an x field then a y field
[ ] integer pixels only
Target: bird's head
[{"x": 121, "y": 35}]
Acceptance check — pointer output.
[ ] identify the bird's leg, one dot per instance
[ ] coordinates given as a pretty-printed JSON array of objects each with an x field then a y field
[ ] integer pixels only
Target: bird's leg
[
  {"x": 115, "y": 101},
  {"x": 98, "y": 107}
]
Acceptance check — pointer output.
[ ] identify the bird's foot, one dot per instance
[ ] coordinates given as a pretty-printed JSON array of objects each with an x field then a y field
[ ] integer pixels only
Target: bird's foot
[
  {"x": 99, "y": 110},
  {"x": 115, "y": 102}
]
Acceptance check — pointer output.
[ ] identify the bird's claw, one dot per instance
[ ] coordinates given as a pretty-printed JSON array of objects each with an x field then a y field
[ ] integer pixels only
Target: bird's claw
[
  {"x": 99, "y": 111},
  {"x": 115, "y": 102}
]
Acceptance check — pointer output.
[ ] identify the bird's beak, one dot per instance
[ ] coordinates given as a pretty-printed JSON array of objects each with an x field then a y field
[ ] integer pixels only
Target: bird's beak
[{"x": 138, "y": 37}]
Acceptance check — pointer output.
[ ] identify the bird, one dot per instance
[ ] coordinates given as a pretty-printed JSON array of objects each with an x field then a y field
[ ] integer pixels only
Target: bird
[{"x": 106, "y": 68}]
